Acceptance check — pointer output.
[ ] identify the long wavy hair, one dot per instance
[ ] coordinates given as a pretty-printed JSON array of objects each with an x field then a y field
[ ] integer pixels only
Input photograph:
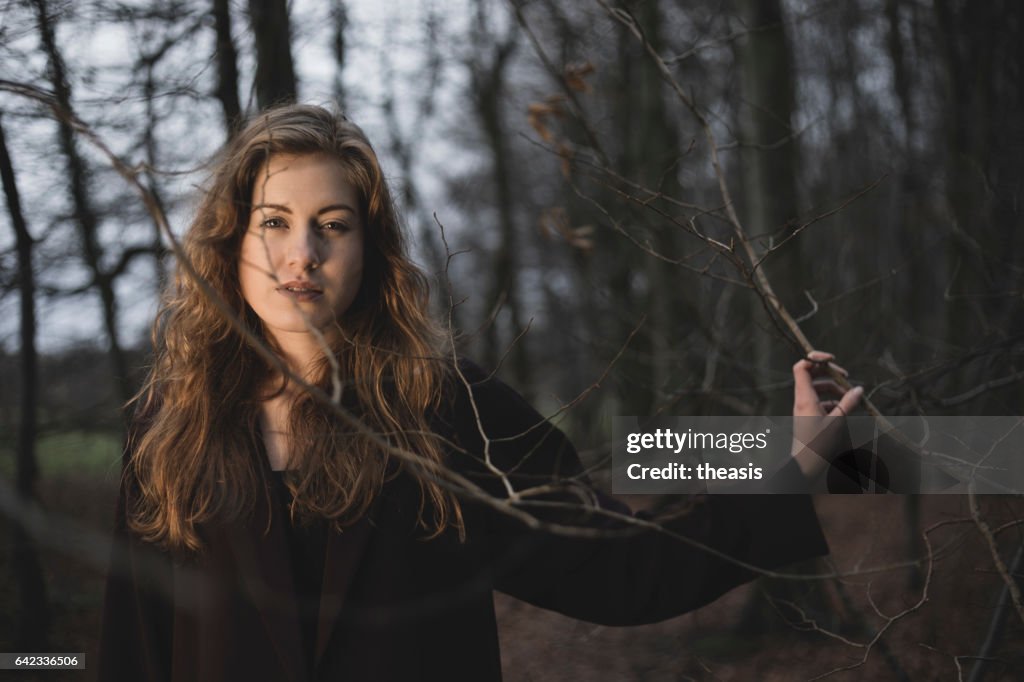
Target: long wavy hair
[{"x": 195, "y": 440}]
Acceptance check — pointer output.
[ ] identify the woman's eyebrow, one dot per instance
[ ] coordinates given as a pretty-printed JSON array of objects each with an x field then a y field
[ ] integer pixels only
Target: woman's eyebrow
[
  {"x": 285, "y": 209},
  {"x": 336, "y": 207},
  {"x": 276, "y": 207}
]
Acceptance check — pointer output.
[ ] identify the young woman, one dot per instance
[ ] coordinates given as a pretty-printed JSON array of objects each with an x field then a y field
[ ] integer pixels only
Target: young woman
[{"x": 265, "y": 532}]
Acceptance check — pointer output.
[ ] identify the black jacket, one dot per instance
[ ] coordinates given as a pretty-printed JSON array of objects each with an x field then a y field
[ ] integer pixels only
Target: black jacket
[{"x": 397, "y": 607}]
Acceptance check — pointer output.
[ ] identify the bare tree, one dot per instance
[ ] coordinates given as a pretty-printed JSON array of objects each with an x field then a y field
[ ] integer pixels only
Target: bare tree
[
  {"x": 489, "y": 73},
  {"x": 768, "y": 158},
  {"x": 340, "y": 22},
  {"x": 86, "y": 216},
  {"x": 227, "y": 65},
  {"x": 275, "y": 74},
  {"x": 33, "y": 612}
]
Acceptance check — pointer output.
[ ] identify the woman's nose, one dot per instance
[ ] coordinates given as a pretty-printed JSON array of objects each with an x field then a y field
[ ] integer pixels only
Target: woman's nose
[{"x": 303, "y": 249}]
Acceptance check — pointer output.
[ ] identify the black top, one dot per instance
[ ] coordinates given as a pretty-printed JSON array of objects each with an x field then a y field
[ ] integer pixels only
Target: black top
[{"x": 307, "y": 544}]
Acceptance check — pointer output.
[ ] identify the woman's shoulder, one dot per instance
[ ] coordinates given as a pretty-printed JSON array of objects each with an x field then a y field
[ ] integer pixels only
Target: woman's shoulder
[
  {"x": 474, "y": 384},
  {"x": 484, "y": 416},
  {"x": 479, "y": 397}
]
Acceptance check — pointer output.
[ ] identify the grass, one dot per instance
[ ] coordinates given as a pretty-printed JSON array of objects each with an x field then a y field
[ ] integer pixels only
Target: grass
[{"x": 71, "y": 454}]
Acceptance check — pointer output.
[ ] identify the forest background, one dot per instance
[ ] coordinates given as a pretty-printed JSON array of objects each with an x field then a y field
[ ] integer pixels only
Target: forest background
[{"x": 650, "y": 207}]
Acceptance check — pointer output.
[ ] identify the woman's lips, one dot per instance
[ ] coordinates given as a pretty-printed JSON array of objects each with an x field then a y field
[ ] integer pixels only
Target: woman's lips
[{"x": 300, "y": 291}]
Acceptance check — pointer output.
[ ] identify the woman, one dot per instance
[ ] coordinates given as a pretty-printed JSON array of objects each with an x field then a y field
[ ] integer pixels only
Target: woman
[{"x": 265, "y": 532}]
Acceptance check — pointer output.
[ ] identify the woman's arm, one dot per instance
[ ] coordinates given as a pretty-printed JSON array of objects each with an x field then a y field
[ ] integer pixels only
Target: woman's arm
[{"x": 617, "y": 579}]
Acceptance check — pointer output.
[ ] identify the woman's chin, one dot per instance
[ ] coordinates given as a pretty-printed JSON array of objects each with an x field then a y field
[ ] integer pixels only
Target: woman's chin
[{"x": 298, "y": 325}]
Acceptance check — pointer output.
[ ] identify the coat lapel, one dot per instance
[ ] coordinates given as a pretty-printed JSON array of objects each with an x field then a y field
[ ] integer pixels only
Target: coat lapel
[
  {"x": 343, "y": 557},
  {"x": 264, "y": 567}
]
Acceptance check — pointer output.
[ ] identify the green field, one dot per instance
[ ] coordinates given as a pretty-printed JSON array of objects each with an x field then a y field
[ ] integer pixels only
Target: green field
[{"x": 73, "y": 453}]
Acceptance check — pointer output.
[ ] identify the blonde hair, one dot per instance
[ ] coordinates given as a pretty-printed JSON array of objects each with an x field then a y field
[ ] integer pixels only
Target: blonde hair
[{"x": 196, "y": 422}]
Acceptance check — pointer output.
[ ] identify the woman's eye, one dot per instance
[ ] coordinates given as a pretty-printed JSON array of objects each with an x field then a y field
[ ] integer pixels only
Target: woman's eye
[
  {"x": 272, "y": 223},
  {"x": 334, "y": 226}
]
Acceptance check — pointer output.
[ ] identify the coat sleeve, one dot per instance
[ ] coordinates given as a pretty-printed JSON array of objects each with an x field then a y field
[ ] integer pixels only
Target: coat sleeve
[
  {"x": 135, "y": 640},
  {"x": 618, "y": 578}
]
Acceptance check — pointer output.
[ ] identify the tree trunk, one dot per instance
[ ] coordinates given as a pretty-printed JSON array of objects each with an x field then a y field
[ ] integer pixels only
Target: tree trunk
[
  {"x": 651, "y": 156},
  {"x": 909, "y": 202},
  {"x": 34, "y": 612},
  {"x": 85, "y": 215},
  {"x": 275, "y": 75},
  {"x": 150, "y": 144},
  {"x": 339, "y": 18},
  {"x": 488, "y": 79},
  {"x": 640, "y": 282},
  {"x": 984, "y": 175},
  {"x": 769, "y": 174},
  {"x": 769, "y": 202},
  {"x": 227, "y": 66}
]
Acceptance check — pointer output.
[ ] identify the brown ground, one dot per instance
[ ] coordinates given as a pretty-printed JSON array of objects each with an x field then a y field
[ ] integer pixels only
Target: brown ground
[
  {"x": 863, "y": 533},
  {"x": 705, "y": 645}
]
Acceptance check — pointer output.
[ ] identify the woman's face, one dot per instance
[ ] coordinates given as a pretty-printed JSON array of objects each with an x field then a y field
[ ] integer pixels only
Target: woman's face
[{"x": 301, "y": 260}]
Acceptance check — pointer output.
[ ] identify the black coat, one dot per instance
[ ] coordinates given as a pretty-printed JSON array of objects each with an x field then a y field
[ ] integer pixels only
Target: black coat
[{"x": 397, "y": 607}]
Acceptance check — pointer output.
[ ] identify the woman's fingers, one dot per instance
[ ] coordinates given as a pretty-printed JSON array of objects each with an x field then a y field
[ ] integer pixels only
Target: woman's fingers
[
  {"x": 821, "y": 361},
  {"x": 848, "y": 403},
  {"x": 804, "y": 395},
  {"x": 827, "y": 386},
  {"x": 810, "y": 386},
  {"x": 820, "y": 356}
]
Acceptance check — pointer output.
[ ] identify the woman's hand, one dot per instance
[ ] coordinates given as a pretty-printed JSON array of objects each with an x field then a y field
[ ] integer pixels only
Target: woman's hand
[{"x": 819, "y": 403}]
